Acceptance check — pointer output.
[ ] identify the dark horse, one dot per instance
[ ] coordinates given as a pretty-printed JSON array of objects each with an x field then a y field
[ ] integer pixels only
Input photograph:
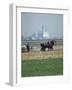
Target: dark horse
[{"x": 48, "y": 45}]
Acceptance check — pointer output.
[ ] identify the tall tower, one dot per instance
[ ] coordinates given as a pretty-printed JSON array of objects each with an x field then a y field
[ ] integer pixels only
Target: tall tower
[
  {"x": 42, "y": 28},
  {"x": 45, "y": 32}
]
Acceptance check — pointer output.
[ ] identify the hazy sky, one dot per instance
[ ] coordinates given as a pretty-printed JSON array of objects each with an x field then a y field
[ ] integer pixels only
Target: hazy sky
[{"x": 32, "y": 22}]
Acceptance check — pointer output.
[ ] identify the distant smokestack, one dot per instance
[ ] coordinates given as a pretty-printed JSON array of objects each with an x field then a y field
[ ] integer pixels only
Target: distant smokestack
[
  {"x": 42, "y": 28},
  {"x": 45, "y": 33},
  {"x": 45, "y": 28}
]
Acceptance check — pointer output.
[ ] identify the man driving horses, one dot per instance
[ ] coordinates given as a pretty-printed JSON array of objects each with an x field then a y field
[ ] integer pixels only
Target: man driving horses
[{"x": 28, "y": 47}]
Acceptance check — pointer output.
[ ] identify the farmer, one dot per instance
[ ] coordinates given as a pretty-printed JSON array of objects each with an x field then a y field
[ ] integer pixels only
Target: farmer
[{"x": 28, "y": 47}]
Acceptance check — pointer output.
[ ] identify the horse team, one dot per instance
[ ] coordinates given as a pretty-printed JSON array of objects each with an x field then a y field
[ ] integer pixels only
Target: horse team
[{"x": 49, "y": 45}]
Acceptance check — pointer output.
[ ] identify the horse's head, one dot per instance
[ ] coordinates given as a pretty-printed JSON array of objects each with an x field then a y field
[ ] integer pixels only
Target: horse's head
[{"x": 52, "y": 42}]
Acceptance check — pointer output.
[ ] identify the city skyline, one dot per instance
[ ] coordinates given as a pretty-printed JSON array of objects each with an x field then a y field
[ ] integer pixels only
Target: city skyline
[{"x": 51, "y": 25}]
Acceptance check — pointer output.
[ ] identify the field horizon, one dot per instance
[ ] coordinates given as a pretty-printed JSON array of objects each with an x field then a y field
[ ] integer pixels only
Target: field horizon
[{"x": 42, "y": 63}]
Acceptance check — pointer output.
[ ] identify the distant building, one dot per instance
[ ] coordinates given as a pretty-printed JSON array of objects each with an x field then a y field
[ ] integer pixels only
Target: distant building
[{"x": 45, "y": 33}]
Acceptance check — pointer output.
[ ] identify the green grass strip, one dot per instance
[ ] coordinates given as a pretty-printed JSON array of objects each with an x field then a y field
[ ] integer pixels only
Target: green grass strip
[{"x": 42, "y": 67}]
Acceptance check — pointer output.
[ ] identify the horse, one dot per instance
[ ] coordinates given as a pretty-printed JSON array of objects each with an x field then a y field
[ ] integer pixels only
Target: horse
[
  {"x": 48, "y": 45},
  {"x": 25, "y": 48}
]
